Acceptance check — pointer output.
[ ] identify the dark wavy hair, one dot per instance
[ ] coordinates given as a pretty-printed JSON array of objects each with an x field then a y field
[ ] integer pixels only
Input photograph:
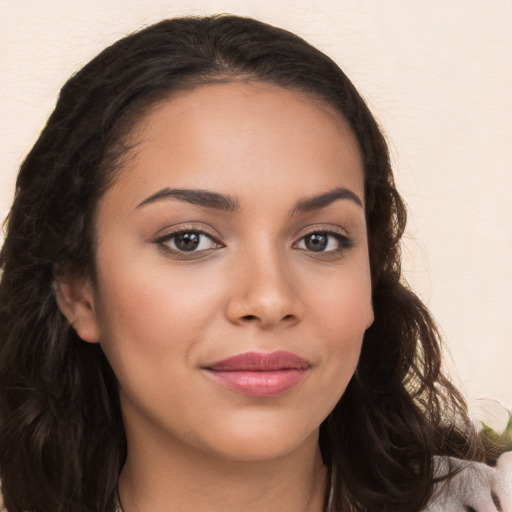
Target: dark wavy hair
[{"x": 62, "y": 441}]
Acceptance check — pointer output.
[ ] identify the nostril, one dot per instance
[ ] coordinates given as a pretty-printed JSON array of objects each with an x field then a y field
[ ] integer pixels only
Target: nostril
[
  {"x": 252, "y": 318},
  {"x": 496, "y": 502}
]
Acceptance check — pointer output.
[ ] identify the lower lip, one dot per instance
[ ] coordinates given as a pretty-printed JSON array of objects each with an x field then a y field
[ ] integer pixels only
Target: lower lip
[{"x": 263, "y": 384}]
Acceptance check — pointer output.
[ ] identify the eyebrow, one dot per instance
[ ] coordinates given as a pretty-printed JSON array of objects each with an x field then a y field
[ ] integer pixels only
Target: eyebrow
[
  {"x": 203, "y": 198},
  {"x": 222, "y": 202},
  {"x": 323, "y": 200}
]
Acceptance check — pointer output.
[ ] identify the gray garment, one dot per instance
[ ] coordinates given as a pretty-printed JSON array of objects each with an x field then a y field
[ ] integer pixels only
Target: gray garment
[{"x": 476, "y": 487}]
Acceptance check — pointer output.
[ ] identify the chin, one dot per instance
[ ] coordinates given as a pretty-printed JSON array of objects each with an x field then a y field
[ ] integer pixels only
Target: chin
[{"x": 253, "y": 442}]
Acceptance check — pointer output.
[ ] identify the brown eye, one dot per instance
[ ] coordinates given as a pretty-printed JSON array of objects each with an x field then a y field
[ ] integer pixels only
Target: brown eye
[
  {"x": 190, "y": 241},
  {"x": 187, "y": 241},
  {"x": 317, "y": 242},
  {"x": 324, "y": 242}
]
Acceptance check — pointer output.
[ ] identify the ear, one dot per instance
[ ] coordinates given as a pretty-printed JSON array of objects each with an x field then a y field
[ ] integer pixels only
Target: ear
[
  {"x": 371, "y": 317},
  {"x": 75, "y": 298}
]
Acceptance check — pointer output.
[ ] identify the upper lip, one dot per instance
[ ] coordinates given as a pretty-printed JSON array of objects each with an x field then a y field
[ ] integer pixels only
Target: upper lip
[{"x": 261, "y": 361}]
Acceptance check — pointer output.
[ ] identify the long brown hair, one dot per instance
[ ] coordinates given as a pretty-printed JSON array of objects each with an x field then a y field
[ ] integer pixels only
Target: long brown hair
[{"x": 62, "y": 441}]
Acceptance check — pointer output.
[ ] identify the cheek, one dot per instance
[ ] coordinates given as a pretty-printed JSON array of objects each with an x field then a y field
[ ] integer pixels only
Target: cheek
[
  {"x": 152, "y": 311},
  {"x": 153, "y": 321},
  {"x": 342, "y": 313},
  {"x": 343, "y": 306}
]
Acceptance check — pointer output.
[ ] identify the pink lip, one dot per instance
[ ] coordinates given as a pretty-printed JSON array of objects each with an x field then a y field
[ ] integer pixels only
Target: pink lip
[{"x": 260, "y": 374}]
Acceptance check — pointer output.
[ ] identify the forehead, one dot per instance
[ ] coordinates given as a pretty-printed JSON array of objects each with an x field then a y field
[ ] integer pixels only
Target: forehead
[{"x": 247, "y": 134}]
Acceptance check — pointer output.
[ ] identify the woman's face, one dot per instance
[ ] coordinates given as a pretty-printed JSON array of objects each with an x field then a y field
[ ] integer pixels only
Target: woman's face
[{"x": 233, "y": 284}]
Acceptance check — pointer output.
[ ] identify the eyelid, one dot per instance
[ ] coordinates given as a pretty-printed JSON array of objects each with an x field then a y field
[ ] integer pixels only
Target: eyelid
[
  {"x": 169, "y": 233},
  {"x": 345, "y": 240},
  {"x": 329, "y": 229},
  {"x": 179, "y": 231}
]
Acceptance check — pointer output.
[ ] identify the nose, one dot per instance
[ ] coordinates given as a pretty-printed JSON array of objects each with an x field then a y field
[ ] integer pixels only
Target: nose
[{"x": 264, "y": 292}]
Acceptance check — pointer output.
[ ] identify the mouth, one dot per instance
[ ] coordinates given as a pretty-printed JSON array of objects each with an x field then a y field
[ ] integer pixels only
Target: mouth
[{"x": 258, "y": 374}]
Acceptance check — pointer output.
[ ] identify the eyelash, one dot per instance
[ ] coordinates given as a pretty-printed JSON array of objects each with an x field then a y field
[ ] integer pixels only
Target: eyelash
[
  {"x": 344, "y": 242},
  {"x": 164, "y": 241}
]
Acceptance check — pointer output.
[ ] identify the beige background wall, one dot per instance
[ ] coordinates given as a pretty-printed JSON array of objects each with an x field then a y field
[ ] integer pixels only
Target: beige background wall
[{"x": 437, "y": 74}]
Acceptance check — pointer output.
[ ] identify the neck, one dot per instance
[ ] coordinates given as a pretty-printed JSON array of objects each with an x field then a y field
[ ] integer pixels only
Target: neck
[{"x": 157, "y": 478}]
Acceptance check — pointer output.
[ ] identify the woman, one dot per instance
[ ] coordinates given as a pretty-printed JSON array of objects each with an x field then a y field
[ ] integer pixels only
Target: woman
[{"x": 201, "y": 299}]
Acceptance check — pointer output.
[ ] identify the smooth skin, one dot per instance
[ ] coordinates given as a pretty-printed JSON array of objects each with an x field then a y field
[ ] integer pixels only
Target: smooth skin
[{"x": 278, "y": 262}]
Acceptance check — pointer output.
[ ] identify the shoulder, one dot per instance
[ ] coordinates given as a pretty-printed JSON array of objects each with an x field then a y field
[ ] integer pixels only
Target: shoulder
[{"x": 475, "y": 486}]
